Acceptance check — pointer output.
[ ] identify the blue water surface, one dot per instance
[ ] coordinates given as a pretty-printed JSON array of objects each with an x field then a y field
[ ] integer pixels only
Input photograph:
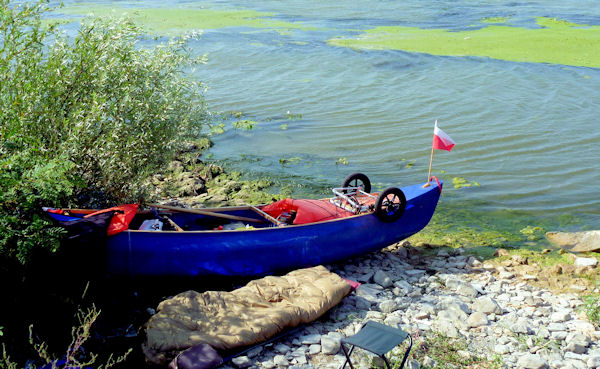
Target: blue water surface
[{"x": 527, "y": 133}]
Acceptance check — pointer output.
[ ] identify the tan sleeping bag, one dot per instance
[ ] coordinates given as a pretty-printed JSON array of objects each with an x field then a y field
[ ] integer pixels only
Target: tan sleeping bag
[{"x": 246, "y": 316}]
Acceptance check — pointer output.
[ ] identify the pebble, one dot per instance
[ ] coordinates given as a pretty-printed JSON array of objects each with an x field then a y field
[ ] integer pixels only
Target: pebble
[
  {"x": 531, "y": 361},
  {"x": 241, "y": 362},
  {"x": 280, "y": 360},
  {"x": 388, "y": 306},
  {"x": 487, "y": 305},
  {"x": 502, "y": 349},
  {"x": 586, "y": 262},
  {"x": 495, "y": 311},
  {"x": 314, "y": 349},
  {"x": 382, "y": 279},
  {"x": 593, "y": 362},
  {"x": 427, "y": 361},
  {"x": 560, "y": 316},
  {"x": 311, "y": 339},
  {"x": 330, "y": 345},
  {"x": 412, "y": 364},
  {"x": 254, "y": 352},
  {"x": 282, "y": 349},
  {"x": 477, "y": 319}
]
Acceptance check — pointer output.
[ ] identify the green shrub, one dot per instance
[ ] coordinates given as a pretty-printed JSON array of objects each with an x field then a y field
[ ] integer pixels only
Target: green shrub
[
  {"x": 27, "y": 182},
  {"x": 86, "y": 119}
]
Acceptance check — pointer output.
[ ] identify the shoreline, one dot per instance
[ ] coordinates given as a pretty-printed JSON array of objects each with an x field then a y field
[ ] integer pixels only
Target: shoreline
[
  {"x": 200, "y": 183},
  {"x": 189, "y": 181},
  {"x": 193, "y": 181},
  {"x": 432, "y": 290},
  {"x": 460, "y": 311}
]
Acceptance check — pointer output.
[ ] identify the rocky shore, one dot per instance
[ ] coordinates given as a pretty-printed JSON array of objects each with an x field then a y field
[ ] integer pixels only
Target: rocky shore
[{"x": 461, "y": 313}]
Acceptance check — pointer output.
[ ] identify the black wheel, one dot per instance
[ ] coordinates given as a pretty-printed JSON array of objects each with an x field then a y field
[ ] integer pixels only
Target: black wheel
[
  {"x": 390, "y": 204},
  {"x": 357, "y": 180}
]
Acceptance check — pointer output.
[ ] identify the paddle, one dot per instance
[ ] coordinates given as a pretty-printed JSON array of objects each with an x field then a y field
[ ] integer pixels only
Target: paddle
[{"x": 209, "y": 213}]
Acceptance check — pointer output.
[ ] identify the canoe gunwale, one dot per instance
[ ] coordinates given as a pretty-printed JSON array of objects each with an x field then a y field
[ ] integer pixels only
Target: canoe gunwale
[{"x": 287, "y": 226}]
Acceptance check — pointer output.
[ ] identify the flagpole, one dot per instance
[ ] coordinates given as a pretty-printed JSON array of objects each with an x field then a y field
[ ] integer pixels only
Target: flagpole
[{"x": 430, "y": 160}]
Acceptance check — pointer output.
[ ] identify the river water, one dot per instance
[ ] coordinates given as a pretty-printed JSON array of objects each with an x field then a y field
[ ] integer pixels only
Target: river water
[{"x": 526, "y": 134}]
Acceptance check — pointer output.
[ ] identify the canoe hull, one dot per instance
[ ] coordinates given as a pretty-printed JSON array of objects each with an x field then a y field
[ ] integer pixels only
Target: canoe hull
[{"x": 263, "y": 251}]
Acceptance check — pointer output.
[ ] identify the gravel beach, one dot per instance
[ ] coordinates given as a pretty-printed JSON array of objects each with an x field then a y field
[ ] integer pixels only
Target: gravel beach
[{"x": 500, "y": 318}]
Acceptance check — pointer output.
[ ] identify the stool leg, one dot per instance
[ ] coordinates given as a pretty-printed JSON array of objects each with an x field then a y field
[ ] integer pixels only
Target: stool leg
[
  {"x": 348, "y": 361},
  {"x": 387, "y": 363},
  {"x": 407, "y": 352}
]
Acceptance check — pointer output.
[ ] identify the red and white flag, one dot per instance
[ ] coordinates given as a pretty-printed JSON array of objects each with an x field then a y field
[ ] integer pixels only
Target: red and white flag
[{"x": 441, "y": 141}]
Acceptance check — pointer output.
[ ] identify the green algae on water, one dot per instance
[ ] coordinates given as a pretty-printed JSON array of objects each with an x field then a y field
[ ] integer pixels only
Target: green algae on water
[
  {"x": 473, "y": 224},
  {"x": 245, "y": 124},
  {"x": 553, "y": 41},
  {"x": 176, "y": 21},
  {"x": 494, "y": 20},
  {"x": 460, "y": 182},
  {"x": 533, "y": 233}
]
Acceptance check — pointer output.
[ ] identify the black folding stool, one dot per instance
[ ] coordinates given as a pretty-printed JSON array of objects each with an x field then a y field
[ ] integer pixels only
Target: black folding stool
[{"x": 378, "y": 339}]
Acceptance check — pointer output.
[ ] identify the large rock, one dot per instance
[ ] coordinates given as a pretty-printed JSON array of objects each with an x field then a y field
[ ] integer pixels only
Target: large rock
[{"x": 576, "y": 241}]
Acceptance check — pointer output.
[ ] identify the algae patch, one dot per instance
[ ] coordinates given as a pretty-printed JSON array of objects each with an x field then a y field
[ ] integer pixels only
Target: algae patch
[
  {"x": 494, "y": 20},
  {"x": 552, "y": 41},
  {"x": 176, "y": 21},
  {"x": 460, "y": 182}
]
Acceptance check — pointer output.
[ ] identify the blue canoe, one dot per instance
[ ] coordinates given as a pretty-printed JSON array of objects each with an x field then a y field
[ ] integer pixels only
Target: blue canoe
[{"x": 265, "y": 248}]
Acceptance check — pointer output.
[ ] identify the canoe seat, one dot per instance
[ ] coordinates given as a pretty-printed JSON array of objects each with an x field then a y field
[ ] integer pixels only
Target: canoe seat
[{"x": 306, "y": 211}]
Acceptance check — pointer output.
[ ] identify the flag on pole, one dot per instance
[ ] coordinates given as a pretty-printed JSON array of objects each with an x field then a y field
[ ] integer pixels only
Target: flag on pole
[{"x": 441, "y": 141}]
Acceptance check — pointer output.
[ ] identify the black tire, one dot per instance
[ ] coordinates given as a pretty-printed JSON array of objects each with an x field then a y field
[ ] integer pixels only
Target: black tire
[
  {"x": 390, "y": 205},
  {"x": 356, "y": 180}
]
